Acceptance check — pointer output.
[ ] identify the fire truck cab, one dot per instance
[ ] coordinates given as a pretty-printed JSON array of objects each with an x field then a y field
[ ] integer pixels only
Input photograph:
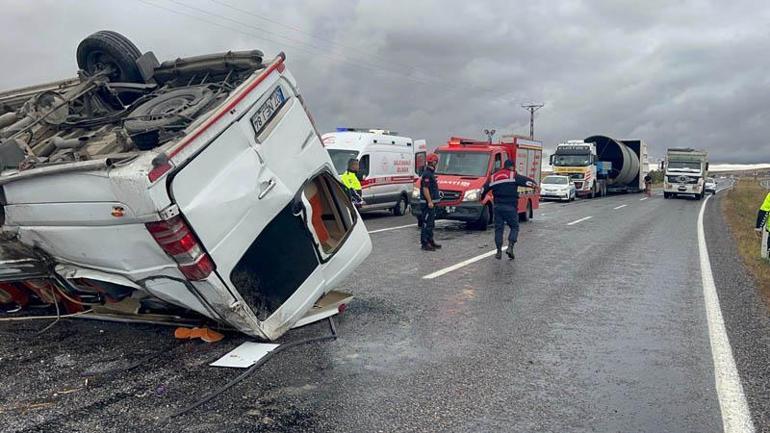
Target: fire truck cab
[{"x": 464, "y": 167}]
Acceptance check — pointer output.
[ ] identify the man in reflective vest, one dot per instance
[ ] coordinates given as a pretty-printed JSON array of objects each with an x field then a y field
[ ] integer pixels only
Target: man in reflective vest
[
  {"x": 504, "y": 185},
  {"x": 350, "y": 180},
  {"x": 762, "y": 215}
]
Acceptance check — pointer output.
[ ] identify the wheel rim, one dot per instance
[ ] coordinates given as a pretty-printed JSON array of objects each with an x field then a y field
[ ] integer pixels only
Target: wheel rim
[{"x": 401, "y": 206}]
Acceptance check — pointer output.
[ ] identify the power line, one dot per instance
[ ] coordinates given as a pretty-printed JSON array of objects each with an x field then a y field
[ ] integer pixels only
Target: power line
[
  {"x": 455, "y": 87},
  {"x": 374, "y": 66},
  {"x": 532, "y": 108},
  {"x": 329, "y": 41},
  {"x": 300, "y": 48}
]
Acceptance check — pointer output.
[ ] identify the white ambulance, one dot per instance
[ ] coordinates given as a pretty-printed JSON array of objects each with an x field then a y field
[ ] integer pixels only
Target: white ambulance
[{"x": 389, "y": 164}]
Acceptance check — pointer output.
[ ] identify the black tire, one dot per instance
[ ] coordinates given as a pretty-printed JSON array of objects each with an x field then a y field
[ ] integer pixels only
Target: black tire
[
  {"x": 173, "y": 110},
  {"x": 527, "y": 214},
  {"x": 400, "y": 207},
  {"x": 107, "y": 49},
  {"x": 484, "y": 219},
  {"x": 666, "y": 195},
  {"x": 593, "y": 191}
]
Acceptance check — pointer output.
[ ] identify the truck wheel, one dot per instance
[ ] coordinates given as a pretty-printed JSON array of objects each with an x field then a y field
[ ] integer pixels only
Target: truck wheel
[
  {"x": 400, "y": 207},
  {"x": 107, "y": 50},
  {"x": 527, "y": 215},
  {"x": 485, "y": 219},
  {"x": 666, "y": 195},
  {"x": 700, "y": 196},
  {"x": 593, "y": 191}
]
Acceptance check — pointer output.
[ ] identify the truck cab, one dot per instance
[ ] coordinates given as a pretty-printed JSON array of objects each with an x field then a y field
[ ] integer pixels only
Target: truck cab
[
  {"x": 464, "y": 167},
  {"x": 577, "y": 160},
  {"x": 685, "y": 170}
]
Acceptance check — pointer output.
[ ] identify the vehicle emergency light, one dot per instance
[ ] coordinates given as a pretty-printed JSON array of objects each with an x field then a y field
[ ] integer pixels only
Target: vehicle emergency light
[{"x": 179, "y": 242}]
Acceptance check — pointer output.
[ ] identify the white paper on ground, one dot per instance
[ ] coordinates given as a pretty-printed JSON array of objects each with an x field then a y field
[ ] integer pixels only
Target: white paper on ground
[{"x": 245, "y": 355}]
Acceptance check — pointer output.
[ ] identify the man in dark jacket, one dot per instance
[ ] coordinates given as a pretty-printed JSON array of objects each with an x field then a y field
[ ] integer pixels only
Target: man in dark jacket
[
  {"x": 504, "y": 185},
  {"x": 429, "y": 196}
]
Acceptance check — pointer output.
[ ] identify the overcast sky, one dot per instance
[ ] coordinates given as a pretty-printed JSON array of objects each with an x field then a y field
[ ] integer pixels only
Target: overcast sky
[{"x": 673, "y": 73}]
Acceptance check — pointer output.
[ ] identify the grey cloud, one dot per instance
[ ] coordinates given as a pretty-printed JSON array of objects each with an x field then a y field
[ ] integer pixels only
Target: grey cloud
[{"x": 689, "y": 73}]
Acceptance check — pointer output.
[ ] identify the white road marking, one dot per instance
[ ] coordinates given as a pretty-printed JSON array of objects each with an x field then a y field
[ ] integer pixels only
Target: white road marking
[
  {"x": 732, "y": 400},
  {"x": 580, "y": 220},
  {"x": 620, "y": 207},
  {"x": 462, "y": 264},
  {"x": 643, "y": 199},
  {"x": 392, "y": 228}
]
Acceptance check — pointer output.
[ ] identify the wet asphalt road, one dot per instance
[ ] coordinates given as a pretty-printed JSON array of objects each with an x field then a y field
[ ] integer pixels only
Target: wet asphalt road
[{"x": 596, "y": 326}]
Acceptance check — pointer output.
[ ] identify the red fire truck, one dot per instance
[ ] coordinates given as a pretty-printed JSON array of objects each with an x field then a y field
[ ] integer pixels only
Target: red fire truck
[{"x": 466, "y": 164}]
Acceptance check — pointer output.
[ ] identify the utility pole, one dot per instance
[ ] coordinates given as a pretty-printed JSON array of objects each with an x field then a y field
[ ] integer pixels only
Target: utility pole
[{"x": 532, "y": 108}]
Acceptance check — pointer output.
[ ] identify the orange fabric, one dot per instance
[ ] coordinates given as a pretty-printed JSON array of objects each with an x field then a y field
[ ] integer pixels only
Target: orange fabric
[
  {"x": 318, "y": 223},
  {"x": 205, "y": 334}
]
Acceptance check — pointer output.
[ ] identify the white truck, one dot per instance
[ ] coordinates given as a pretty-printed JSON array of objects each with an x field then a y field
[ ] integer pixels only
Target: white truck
[
  {"x": 577, "y": 160},
  {"x": 600, "y": 164},
  {"x": 685, "y": 171},
  {"x": 194, "y": 187}
]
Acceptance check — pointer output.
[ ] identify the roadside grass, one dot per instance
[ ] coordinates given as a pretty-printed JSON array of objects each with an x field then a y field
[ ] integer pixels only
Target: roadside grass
[{"x": 740, "y": 210}]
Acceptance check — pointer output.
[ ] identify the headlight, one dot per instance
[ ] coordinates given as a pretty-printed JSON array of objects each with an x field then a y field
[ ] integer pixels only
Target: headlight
[
  {"x": 472, "y": 195},
  {"x": 416, "y": 193}
]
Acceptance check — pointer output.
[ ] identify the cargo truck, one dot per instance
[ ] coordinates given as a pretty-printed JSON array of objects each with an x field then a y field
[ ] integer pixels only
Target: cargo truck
[
  {"x": 466, "y": 164},
  {"x": 612, "y": 165},
  {"x": 578, "y": 160},
  {"x": 685, "y": 171}
]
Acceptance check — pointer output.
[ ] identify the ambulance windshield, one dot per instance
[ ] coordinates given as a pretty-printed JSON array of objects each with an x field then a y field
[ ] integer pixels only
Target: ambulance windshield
[{"x": 340, "y": 158}]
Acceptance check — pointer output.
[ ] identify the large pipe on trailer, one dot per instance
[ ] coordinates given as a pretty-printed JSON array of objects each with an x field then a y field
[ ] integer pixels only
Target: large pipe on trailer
[{"x": 625, "y": 162}]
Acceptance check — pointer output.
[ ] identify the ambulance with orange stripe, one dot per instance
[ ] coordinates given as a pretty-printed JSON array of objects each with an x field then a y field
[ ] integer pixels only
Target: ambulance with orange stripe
[{"x": 388, "y": 162}]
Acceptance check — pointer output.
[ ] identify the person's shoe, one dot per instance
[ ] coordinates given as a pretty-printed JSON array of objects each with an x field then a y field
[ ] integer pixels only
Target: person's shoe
[
  {"x": 435, "y": 245},
  {"x": 509, "y": 252},
  {"x": 428, "y": 247},
  {"x": 499, "y": 254}
]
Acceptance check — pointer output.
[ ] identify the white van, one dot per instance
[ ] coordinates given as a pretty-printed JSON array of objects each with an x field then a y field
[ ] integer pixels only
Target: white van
[
  {"x": 388, "y": 164},
  {"x": 201, "y": 185}
]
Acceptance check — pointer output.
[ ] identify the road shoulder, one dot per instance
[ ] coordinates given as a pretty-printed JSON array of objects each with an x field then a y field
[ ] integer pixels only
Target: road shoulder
[{"x": 746, "y": 316}]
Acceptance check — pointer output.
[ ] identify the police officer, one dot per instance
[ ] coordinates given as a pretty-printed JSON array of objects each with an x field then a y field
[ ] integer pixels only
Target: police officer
[
  {"x": 762, "y": 215},
  {"x": 504, "y": 185},
  {"x": 429, "y": 196},
  {"x": 350, "y": 180}
]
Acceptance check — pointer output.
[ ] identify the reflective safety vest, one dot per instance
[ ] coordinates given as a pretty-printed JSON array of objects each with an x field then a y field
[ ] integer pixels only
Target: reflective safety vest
[
  {"x": 765, "y": 210},
  {"x": 350, "y": 180}
]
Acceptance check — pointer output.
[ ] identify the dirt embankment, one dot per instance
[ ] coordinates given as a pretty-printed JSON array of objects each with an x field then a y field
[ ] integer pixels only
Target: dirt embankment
[{"x": 740, "y": 209}]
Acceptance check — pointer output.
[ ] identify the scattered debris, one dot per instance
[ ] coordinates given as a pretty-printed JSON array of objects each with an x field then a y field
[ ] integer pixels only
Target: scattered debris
[
  {"x": 205, "y": 334},
  {"x": 245, "y": 355}
]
